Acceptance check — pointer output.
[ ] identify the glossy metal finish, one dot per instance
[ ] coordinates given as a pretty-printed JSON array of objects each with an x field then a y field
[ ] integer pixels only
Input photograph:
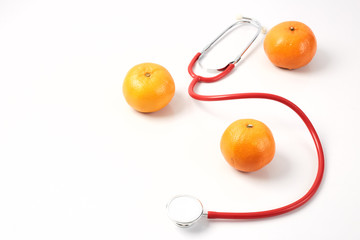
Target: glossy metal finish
[
  {"x": 185, "y": 210},
  {"x": 243, "y": 20}
]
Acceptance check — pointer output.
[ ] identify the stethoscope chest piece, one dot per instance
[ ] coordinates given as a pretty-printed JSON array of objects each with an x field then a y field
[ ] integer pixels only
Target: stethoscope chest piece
[{"x": 184, "y": 210}]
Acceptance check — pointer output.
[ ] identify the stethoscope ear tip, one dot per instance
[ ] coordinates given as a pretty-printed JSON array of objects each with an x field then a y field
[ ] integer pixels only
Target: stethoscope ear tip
[{"x": 239, "y": 17}]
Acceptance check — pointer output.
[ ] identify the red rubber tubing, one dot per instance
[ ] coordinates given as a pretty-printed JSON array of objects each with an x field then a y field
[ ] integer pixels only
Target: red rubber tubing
[{"x": 306, "y": 120}]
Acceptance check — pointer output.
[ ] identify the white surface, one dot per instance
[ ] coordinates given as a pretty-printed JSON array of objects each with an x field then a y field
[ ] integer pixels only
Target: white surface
[{"x": 76, "y": 162}]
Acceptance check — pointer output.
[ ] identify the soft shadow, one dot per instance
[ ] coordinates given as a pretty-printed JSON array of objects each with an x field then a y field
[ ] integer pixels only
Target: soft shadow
[
  {"x": 201, "y": 225},
  {"x": 320, "y": 62},
  {"x": 279, "y": 167},
  {"x": 175, "y": 107},
  {"x": 236, "y": 221},
  {"x": 239, "y": 221}
]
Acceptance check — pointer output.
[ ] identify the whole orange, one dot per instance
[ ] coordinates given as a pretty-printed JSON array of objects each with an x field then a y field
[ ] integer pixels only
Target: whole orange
[
  {"x": 290, "y": 45},
  {"x": 247, "y": 145},
  {"x": 148, "y": 87}
]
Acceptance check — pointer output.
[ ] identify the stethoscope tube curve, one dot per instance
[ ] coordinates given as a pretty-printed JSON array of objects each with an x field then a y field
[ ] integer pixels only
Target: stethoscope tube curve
[
  {"x": 189, "y": 220},
  {"x": 295, "y": 108}
]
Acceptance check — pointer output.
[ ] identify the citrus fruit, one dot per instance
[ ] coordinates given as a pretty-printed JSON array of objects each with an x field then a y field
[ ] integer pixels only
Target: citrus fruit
[
  {"x": 148, "y": 87},
  {"x": 290, "y": 45},
  {"x": 247, "y": 145}
]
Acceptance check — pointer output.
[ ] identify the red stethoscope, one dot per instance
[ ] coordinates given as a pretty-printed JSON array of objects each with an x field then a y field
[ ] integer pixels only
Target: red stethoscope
[{"x": 185, "y": 210}]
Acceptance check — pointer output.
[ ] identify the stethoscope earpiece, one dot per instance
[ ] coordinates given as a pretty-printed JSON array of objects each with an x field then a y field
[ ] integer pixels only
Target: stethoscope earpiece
[
  {"x": 185, "y": 210},
  {"x": 240, "y": 21}
]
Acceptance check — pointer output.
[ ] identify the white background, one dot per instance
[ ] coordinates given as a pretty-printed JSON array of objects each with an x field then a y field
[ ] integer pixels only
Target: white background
[{"x": 76, "y": 162}]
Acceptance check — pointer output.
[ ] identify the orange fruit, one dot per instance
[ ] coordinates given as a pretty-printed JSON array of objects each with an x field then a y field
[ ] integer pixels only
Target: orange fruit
[
  {"x": 247, "y": 145},
  {"x": 290, "y": 45},
  {"x": 148, "y": 87}
]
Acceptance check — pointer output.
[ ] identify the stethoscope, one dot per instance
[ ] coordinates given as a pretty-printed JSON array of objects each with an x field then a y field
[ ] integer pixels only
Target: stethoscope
[{"x": 185, "y": 210}]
